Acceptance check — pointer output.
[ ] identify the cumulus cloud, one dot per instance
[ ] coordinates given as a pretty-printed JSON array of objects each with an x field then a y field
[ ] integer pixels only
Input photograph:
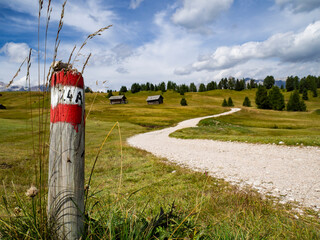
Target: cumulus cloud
[
  {"x": 87, "y": 16},
  {"x": 299, "y": 5},
  {"x": 196, "y": 14},
  {"x": 288, "y": 47},
  {"x": 135, "y": 3},
  {"x": 16, "y": 52}
]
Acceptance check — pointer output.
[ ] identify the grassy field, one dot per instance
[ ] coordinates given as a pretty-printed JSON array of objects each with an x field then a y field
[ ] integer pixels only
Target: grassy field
[
  {"x": 220, "y": 210},
  {"x": 261, "y": 126}
]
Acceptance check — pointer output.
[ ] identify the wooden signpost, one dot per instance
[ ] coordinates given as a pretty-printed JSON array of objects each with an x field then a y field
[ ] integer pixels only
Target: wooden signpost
[{"x": 66, "y": 157}]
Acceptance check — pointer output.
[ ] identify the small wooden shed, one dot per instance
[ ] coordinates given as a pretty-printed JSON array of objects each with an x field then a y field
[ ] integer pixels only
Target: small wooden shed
[
  {"x": 121, "y": 99},
  {"x": 157, "y": 99}
]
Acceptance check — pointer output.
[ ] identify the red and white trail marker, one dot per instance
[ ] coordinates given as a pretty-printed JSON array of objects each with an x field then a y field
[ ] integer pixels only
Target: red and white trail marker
[{"x": 66, "y": 156}]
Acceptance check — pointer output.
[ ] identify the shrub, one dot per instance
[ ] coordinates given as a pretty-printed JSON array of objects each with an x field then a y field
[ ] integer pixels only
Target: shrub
[
  {"x": 183, "y": 102},
  {"x": 88, "y": 90}
]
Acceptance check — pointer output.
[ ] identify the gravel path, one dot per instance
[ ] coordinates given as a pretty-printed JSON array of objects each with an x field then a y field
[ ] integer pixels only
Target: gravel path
[{"x": 292, "y": 173}]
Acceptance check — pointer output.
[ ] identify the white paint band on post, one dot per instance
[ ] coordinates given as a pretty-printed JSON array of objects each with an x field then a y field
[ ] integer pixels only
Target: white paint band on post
[{"x": 66, "y": 156}]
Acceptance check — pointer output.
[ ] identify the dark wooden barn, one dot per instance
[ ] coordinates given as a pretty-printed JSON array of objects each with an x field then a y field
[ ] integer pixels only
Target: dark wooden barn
[
  {"x": 157, "y": 99},
  {"x": 121, "y": 99}
]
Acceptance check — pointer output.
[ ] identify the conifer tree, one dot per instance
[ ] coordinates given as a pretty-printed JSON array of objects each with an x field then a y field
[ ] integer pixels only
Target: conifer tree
[
  {"x": 246, "y": 102},
  {"x": 224, "y": 103},
  {"x": 268, "y": 82},
  {"x": 202, "y": 88},
  {"x": 109, "y": 94},
  {"x": 305, "y": 94},
  {"x": 295, "y": 104},
  {"x": 276, "y": 99},
  {"x": 262, "y": 100},
  {"x": 123, "y": 89},
  {"x": 230, "y": 102},
  {"x": 183, "y": 102}
]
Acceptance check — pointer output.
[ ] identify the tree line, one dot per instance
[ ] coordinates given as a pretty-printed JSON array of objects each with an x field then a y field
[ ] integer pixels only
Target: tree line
[
  {"x": 292, "y": 83},
  {"x": 231, "y": 83},
  {"x": 268, "y": 96}
]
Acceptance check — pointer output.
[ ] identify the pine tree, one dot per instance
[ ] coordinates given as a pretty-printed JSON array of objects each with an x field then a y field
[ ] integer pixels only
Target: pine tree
[
  {"x": 302, "y": 106},
  {"x": 276, "y": 99},
  {"x": 183, "y": 102},
  {"x": 193, "y": 87},
  {"x": 246, "y": 102},
  {"x": 224, "y": 103},
  {"x": 202, "y": 88},
  {"x": 292, "y": 83},
  {"x": 88, "y": 90},
  {"x": 305, "y": 94},
  {"x": 268, "y": 82},
  {"x": 123, "y": 89},
  {"x": 262, "y": 100},
  {"x": 109, "y": 94},
  {"x": 135, "y": 87},
  {"x": 230, "y": 102},
  {"x": 295, "y": 104}
]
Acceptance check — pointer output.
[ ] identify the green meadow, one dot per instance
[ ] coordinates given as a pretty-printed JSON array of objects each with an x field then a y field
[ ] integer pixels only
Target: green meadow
[
  {"x": 143, "y": 182},
  {"x": 261, "y": 126}
]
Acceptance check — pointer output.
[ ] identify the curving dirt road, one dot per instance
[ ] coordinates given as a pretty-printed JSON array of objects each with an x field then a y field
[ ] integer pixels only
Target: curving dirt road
[{"x": 292, "y": 173}]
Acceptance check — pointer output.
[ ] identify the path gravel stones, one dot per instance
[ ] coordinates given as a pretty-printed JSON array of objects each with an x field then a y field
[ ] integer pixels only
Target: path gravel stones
[{"x": 291, "y": 173}]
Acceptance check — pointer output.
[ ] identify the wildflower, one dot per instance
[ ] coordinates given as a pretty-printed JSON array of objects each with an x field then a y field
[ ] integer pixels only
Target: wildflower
[
  {"x": 32, "y": 192},
  {"x": 17, "y": 211}
]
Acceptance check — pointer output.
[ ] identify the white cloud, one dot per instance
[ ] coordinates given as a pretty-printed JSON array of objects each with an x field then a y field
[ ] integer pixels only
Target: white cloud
[
  {"x": 135, "y": 3},
  {"x": 16, "y": 52},
  {"x": 288, "y": 47},
  {"x": 152, "y": 62},
  {"x": 299, "y": 5},
  {"x": 88, "y": 16},
  {"x": 197, "y": 14}
]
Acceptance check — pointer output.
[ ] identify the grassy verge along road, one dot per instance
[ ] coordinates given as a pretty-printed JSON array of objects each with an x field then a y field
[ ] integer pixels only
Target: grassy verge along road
[{"x": 148, "y": 182}]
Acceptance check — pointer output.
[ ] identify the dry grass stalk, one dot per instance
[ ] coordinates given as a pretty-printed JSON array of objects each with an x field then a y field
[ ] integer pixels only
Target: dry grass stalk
[
  {"x": 57, "y": 42},
  {"x": 74, "y": 48},
  {"x": 19, "y": 69},
  {"x": 90, "y": 37},
  {"x": 85, "y": 64}
]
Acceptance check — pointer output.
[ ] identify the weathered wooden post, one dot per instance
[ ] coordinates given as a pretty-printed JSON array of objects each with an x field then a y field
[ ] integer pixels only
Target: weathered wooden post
[{"x": 66, "y": 156}]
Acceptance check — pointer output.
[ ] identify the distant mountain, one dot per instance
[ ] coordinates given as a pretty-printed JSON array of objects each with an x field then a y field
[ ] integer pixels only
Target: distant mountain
[
  {"x": 280, "y": 82},
  {"x": 19, "y": 88},
  {"x": 260, "y": 82}
]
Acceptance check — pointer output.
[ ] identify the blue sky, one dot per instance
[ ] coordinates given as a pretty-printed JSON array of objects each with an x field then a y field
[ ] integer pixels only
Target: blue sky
[{"x": 160, "y": 40}]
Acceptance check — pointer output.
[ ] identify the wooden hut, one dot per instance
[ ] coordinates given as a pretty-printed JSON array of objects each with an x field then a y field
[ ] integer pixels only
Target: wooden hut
[
  {"x": 121, "y": 99},
  {"x": 157, "y": 99}
]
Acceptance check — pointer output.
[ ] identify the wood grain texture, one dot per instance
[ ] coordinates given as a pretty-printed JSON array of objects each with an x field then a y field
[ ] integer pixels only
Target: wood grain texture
[{"x": 66, "y": 176}]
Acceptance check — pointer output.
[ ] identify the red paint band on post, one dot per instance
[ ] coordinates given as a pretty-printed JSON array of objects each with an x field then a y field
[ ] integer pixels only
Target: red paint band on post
[
  {"x": 67, "y": 113},
  {"x": 68, "y": 78},
  {"x": 67, "y": 98}
]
